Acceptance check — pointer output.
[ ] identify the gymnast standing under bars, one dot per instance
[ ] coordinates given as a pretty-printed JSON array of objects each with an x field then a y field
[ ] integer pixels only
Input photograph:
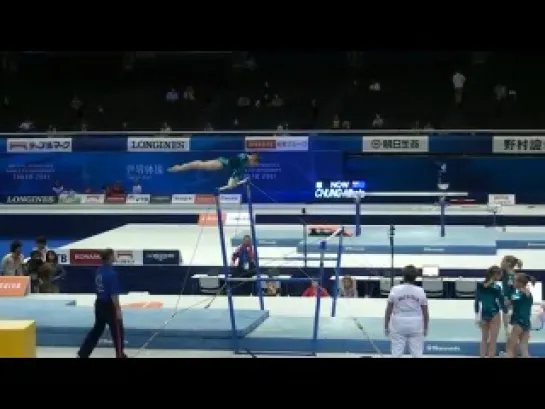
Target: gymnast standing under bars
[
  {"x": 407, "y": 317},
  {"x": 236, "y": 165}
]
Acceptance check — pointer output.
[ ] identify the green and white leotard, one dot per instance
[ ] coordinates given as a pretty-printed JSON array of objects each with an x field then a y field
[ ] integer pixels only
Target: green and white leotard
[{"x": 237, "y": 165}]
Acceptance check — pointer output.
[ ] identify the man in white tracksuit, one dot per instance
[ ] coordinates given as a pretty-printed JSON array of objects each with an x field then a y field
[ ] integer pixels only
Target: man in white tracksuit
[{"x": 407, "y": 317}]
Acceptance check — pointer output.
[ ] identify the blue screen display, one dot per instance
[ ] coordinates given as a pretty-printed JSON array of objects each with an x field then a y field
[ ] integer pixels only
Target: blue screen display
[{"x": 280, "y": 176}]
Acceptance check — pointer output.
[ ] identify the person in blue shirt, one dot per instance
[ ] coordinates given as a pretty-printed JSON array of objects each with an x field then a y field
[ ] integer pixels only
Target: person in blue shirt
[
  {"x": 107, "y": 309},
  {"x": 489, "y": 301},
  {"x": 522, "y": 302},
  {"x": 236, "y": 165}
]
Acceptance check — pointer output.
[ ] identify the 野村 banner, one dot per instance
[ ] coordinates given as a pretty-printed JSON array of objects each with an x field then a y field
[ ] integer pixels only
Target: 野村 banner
[
  {"x": 530, "y": 144},
  {"x": 276, "y": 143}
]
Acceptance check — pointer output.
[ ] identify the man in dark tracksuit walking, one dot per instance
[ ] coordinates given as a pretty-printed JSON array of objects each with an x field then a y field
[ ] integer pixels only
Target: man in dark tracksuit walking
[{"x": 107, "y": 309}]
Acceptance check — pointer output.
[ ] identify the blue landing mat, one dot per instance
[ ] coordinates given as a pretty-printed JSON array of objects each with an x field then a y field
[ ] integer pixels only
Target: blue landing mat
[
  {"x": 274, "y": 238},
  {"x": 520, "y": 241},
  {"x": 293, "y": 335},
  {"x": 57, "y": 321},
  {"x": 415, "y": 240}
]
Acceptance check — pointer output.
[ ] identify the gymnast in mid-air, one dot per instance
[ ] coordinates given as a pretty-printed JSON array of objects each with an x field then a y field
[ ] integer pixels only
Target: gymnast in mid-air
[{"x": 236, "y": 165}]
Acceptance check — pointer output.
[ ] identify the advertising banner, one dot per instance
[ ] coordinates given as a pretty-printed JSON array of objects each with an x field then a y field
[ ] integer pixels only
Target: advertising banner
[
  {"x": 92, "y": 199},
  {"x": 183, "y": 199},
  {"x": 69, "y": 198},
  {"x": 161, "y": 258},
  {"x": 138, "y": 199},
  {"x": 14, "y": 286},
  {"x": 276, "y": 143},
  {"x": 237, "y": 219},
  {"x": 160, "y": 199},
  {"x": 31, "y": 200},
  {"x": 205, "y": 199},
  {"x": 228, "y": 198},
  {"x": 209, "y": 219},
  {"x": 519, "y": 144},
  {"x": 128, "y": 258},
  {"x": 395, "y": 144},
  {"x": 158, "y": 144},
  {"x": 80, "y": 257},
  {"x": 115, "y": 199},
  {"x": 63, "y": 256},
  {"x": 39, "y": 145}
]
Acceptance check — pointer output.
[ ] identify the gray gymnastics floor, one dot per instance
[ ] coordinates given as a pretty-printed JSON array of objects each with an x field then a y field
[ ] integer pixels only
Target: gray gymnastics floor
[{"x": 166, "y": 354}]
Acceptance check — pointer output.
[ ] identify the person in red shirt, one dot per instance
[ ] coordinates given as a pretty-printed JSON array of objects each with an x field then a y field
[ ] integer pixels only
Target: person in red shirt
[{"x": 311, "y": 291}]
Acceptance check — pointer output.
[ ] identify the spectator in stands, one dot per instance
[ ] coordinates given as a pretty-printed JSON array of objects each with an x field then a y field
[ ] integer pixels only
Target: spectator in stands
[
  {"x": 378, "y": 122},
  {"x": 271, "y": 289},
  {"x": 26, "y": 125},
  {"x": 189, "y": 93},
  {"x": 346, "y": 124},
  {"x": 77, "y": 105},
  {"x": 314, "y": 111},
  {"x": 209, "y": 127},
  {"x": 336, "y": 123},
  {"x": 172, "y": 95},
  {"x": 374, "y": 86},
  {"x": 277, "y": 102},
  {"x": 58, "y": 272},
  {"x": 115, "y": 189},
  {"x": 34, "y": 270},
  {"x": 58, "y": 188},
  {"x": 136, "y": 187},
  {"x": 243, "y": 102},
  {"x": 165, "y": 128},
  {"x": 51, "y": 130},
  {"x": 348, "y": 288},
  {"x": 458, "y": 81},
  {"x": 313, "y": 290},
  {"x": 40, "y": 245},
  {"x": 12, "y": 263}
]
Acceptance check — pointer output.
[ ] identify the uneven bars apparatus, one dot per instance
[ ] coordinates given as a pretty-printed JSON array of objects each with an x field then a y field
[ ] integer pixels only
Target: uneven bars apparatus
[
  {"x": 320, "y": 279},
  {"x": 258, "y": 279},
  {"x": 442, "y": 194}
]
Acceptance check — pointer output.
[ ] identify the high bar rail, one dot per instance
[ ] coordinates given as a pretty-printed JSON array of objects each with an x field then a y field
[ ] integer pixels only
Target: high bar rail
[{"x": 238, "y": 184}]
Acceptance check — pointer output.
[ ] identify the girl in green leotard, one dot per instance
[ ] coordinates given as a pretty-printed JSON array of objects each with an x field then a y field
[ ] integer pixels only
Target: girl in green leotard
[
  {"x": 236, "y": 165},
  {"x": 508, "y": 266},
  {"x": 489, "y": 301},
  {"x": 522, "y": 301}
]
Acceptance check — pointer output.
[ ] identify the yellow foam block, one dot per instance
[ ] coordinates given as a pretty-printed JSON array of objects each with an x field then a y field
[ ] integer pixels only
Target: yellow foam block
[{"x": 17, "y": 339}]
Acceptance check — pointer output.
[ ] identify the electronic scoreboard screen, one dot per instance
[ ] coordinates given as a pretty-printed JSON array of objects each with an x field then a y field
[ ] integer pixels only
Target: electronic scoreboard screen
[{"x": 338, "y": 190}]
